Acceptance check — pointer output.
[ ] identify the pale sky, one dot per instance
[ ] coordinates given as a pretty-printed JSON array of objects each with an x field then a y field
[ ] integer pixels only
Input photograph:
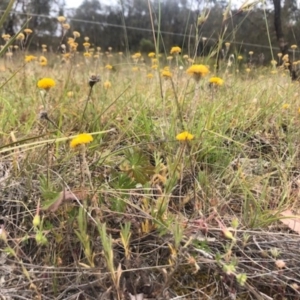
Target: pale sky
[
  {"x": 76, "y": 3},
  {"x": 73, "y": 3}
]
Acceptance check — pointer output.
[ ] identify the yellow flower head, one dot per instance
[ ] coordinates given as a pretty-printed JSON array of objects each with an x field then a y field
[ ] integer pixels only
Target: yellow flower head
[
  {"x": 184, "y": 136},
  {"x": 136, "y": 55},
  {"x": 61, "y": 19},
  {"x": 108, "y": 67},
  {"x": 149, "y": 75},
  {"x": 73, "y": 46},
  {"x": 151, "y": 54},
  {"x": 29, "y": 58},
  {"x": 240, "y": 57},
  {"x": 20, "y": 37},
  {"x": 6, "y": 37},
  {"x": 70, "y": 40},
  {"x": 175, "y": 50},
  {"x": 107, "y": 84},
  {"x": 198, "y": 71},
  {"x": 273, "y": 62},
  {"x": 216, "y": 81},
  {"x": 76, "y": 34},
  {"x": 87, "y": 54},
  {"x": 285, "y": 106},
  {"x": 27, "y": 30},
  {"x": 294, "y": 47},
  {"x": 251, "y": 53},
  {"x": 70, "y": 94},
  {"x": 43, "y": 61},
  {"x": 83, "y": 138},
  {"x": 46, "y": 83},
  {"x": 166, "y": 74},
  {"x": 66, "y": 26}
]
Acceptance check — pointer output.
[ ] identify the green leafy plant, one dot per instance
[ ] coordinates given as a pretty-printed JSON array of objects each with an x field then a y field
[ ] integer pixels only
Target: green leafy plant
[
  {"x": 137, "y": 166},
  {"x": 84, "y": 237}
]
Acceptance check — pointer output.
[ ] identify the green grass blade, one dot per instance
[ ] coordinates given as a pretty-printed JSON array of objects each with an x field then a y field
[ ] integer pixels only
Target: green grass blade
[
  {"x": 13, "y": 38},
  {"x": 7, "y": 11}
]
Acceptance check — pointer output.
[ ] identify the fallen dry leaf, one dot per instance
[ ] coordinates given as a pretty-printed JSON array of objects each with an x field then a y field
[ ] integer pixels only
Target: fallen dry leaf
[
  {"x": 291, "y": 220},
  {"x": 63, "y": 196},
  {"x": 66, "y": 196}
]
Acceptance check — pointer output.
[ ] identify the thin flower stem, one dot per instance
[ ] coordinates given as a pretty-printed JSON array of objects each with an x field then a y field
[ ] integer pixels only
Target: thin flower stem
[
  {"x": 43, "y": 97},
  {"x": 86, "y": 104},
  {"x": 80, "y": 156},
  {"x": 49, "y": 120},
  {"x": 179, "y": 113}
]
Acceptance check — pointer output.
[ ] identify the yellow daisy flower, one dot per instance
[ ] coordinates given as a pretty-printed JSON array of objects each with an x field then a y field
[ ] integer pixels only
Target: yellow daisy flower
[
  {"x": 76, "y": 34},
  {"x": 285, "y": 106},
  {"x": 136, "y": 55},
  {"x": 166, "y": 74},
  {"x": 66, "y": 26},
  {"x": 20, "y": 37},
  {"x": 216, "y": 81},
  {"x": 184, "y": 136},
  {"x": 27, "y": 30},
  {"x": 46, "y": 83},
  {"x": 107, "y": 84},
  {"x": 61, "y": 19},
  {"x": 83, "y": 138},
  {"x": 198, "y": 70},
  {"x": 43, "y": 61},
  {"x": 29, "y": 58},
  {"x": 175, "y": 50}
]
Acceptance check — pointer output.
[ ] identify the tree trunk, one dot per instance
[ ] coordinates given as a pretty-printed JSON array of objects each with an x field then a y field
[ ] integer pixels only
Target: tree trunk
[{"x": 283, "y": 45}]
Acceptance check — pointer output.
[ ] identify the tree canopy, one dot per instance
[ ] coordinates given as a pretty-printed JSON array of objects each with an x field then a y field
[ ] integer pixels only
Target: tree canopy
[{"x": 128, "y": 24}]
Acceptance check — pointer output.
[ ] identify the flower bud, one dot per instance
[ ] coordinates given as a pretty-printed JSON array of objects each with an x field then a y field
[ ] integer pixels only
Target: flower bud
[{"x": 36, "y": 220}]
